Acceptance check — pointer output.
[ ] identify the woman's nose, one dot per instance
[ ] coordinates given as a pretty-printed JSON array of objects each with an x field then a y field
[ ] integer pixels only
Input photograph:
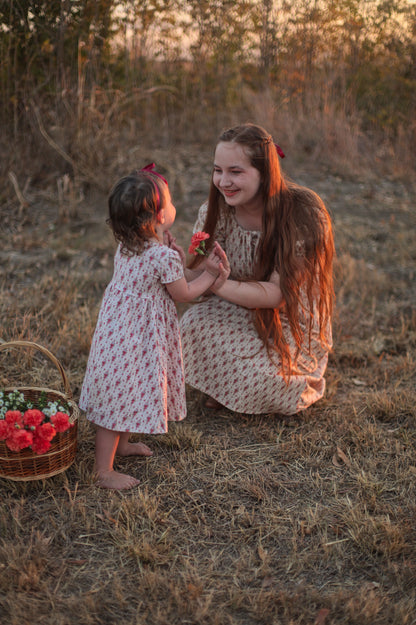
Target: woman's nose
[{"x": 225, "y": 180}]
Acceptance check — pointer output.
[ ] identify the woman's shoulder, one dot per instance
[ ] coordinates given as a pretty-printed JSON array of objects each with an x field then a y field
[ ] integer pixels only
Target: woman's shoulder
[
  {"x": 223, "y": 215},
  {"x": 202, "y": 214}
]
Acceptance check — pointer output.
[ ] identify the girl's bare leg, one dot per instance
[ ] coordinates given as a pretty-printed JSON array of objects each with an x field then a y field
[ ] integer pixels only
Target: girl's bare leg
[
  {"x": 125, "y": 448},
  {"x": 106, "y": 442}
]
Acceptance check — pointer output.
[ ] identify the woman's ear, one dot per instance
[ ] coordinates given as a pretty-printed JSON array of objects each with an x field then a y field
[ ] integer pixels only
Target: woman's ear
[{"x": 160, "y": 218}]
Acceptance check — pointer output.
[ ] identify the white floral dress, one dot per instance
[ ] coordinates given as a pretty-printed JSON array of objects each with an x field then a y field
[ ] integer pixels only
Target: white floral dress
[
  {"x": 134, "y": 381},
  {"x": 223, "y": 354}
]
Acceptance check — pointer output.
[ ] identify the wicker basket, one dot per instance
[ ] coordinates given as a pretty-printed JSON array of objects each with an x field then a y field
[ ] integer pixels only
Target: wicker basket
[{"x": 25, "y": 465}]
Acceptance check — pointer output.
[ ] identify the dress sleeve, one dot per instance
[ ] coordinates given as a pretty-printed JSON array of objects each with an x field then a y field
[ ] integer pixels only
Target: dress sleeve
[
  {"x": 171, "y": 267},
  {"x": 220, "y": 230},
  {"x": 200, "y": 220}
]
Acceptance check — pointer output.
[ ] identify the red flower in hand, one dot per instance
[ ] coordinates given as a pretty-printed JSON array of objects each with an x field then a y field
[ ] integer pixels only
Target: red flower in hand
[
  {"x": 198, "y": 244},
  {"x": 61, "y": 421}
]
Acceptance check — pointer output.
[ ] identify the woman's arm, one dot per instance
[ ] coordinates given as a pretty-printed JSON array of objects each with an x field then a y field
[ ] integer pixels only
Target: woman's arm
[{"x": 252, "y": 294}]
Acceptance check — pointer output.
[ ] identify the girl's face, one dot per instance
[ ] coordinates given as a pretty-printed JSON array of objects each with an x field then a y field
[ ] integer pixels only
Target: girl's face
[
  {"x": 235, "y": 177},
  {"x": 168, "y": 211}
]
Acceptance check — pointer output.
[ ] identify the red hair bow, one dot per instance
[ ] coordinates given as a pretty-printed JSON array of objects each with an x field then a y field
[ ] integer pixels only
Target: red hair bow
[
  {"x": 279, "y": 150},
  {"x": 151, "y": 168}
]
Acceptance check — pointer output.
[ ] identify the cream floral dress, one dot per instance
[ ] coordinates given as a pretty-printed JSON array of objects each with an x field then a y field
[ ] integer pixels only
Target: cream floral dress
[
  {"x": 134, "y": 380},
  {"x": 225, "y": 358}
]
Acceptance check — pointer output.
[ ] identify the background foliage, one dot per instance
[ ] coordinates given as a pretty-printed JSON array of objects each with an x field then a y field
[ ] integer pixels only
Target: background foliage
[{"x": 179, "y": 70}]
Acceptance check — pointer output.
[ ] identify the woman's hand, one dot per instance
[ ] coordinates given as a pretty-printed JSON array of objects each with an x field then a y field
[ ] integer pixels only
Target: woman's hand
[
  {"x": 221, "y": 279},
  {"x": 212, "y": 264},
  {"x": 223, "y": 267}
]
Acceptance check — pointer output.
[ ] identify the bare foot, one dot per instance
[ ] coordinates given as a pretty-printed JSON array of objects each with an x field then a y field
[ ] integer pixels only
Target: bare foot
[
  {"x": 115, "y": 480},
  {"x": 133, "y": 449},
  {"x": 213, "y": 403}
]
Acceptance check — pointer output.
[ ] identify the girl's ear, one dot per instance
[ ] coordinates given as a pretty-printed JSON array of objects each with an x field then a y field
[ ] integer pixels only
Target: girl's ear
[{"x": 160, "y": 217}]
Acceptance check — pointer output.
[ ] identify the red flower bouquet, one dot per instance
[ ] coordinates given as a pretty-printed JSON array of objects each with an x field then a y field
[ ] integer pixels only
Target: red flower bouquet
[
  {"x": 22, "y": 425},
  {"x": 198, "y": 244}
]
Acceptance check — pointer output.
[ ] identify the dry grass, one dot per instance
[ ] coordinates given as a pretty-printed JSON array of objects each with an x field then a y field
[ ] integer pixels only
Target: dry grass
[{"x": 239, "y": 519}]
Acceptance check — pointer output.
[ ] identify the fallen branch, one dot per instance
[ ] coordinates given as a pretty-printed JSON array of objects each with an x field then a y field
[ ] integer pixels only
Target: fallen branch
[
  {"x": 49, "y": 139},
  {"x": 23, "y": 201},
  {"x": 77, "y": 169}
]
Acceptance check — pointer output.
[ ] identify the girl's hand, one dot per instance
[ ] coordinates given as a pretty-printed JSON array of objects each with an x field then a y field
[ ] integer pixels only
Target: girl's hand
[
  {"x": 170, "y": 241},
  {"x": 168, "y": 238}
]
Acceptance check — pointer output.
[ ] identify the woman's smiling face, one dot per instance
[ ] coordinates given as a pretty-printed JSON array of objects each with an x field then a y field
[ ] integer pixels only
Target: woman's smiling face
[{"x": 234, "y": 176}]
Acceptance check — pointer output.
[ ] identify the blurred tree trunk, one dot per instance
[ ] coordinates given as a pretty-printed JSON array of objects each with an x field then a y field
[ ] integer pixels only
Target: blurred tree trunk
[{"x": 268, "y": 41}]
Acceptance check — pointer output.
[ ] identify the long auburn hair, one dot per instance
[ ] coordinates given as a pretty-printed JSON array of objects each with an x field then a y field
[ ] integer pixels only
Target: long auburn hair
[
  {"x": 296, "y": 241},
  {"x": 133, "y": 204}
]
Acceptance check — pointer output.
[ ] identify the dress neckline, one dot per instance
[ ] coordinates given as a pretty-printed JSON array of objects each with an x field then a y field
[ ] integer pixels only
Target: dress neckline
[{"x": 232, "y": 212}]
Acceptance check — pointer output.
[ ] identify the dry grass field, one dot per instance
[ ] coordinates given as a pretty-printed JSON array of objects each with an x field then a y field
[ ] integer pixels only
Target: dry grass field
[{"x": 239, "y": 519}]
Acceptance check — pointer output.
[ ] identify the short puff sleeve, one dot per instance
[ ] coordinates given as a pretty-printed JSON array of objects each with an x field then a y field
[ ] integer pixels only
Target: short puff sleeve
[{"x": 171, "y": 268}]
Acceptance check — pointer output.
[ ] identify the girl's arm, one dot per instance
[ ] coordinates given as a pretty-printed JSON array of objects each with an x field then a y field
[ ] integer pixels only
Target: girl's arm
[
  {"x": 251, "y": 294},
  {"x": 183, "y": 291}
]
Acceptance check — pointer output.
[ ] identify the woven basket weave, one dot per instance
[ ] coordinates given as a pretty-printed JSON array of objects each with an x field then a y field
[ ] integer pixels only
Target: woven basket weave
[{"x": 25, "y": 465}]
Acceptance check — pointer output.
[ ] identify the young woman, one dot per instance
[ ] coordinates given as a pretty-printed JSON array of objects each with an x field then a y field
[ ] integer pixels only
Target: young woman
[{"x": 260, "y": 342}]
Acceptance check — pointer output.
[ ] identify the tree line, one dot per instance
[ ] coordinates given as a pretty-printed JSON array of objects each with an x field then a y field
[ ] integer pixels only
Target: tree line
[{"x": 206, "y": 55}]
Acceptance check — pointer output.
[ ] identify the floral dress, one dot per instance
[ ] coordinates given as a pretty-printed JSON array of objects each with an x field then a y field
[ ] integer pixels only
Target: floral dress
[
  {"x": 223, "y": 354},
  {"x": 134, "y": 381}
]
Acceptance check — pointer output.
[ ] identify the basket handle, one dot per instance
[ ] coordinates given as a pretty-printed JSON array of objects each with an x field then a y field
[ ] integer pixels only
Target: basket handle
[{"x": 47, "y": 353}]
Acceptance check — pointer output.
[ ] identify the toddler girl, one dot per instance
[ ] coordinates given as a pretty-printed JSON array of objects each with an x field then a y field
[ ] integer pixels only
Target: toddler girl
[{"x": 134, "y": 381}]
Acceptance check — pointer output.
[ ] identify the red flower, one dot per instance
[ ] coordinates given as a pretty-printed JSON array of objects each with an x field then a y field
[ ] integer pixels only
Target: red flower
[
  {"x": 19, "y": 439},
  {"x": 5, "y": 429},
  {"x": 32, "y": 428},
  {"x": 40, "y": 445},
  {"x": 198, "y": 244},
  {"x": 46, "y": 431},
  {"x": 61, "y": 421},
  {"x": 14, "y": 417},
  {"x": 33, "y": 417}
]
